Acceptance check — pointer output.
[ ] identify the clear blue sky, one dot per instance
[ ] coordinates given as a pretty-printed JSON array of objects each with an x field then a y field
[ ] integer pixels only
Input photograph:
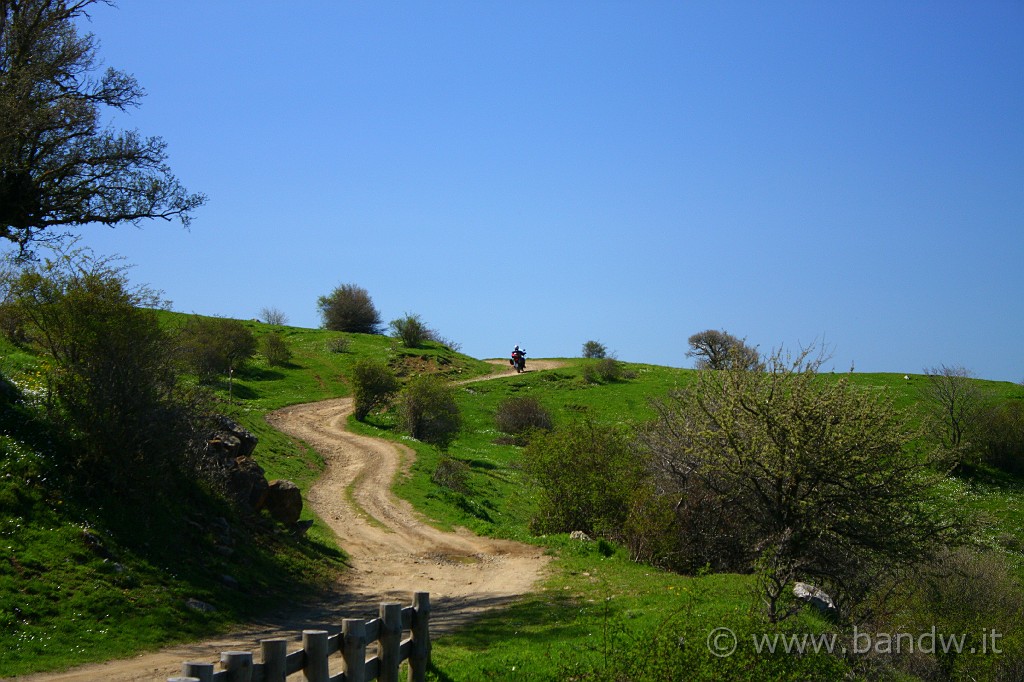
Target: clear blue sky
[{"x": 545, "y": 173}]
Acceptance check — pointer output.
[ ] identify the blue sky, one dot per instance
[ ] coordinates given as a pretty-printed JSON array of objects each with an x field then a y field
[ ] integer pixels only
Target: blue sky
[{"x": 545, "y": 173}]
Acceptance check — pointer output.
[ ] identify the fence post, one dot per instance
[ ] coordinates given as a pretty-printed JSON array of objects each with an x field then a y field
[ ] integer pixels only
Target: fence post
[
  {"x": 317, "y": 668},
  {"x": 353, "y": 650},
  {"x": 390, "y": 641},
  {"x": 201, "y": 671},
  {"x": 275, "y": 655},
  {"x": 238, "y": 664},
  {"x": 419, "y": 657}
]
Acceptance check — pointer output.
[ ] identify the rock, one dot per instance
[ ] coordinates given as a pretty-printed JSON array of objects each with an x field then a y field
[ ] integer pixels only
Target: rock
[
  {"x": 580, "y": 535},
  {"x": 284, "y": 501},
  {"x": 197, "y": 605},
  {"x": 302, "y": 527},
  {"x": 247, "y": 483},
  {"x": 817, "y": 598}
]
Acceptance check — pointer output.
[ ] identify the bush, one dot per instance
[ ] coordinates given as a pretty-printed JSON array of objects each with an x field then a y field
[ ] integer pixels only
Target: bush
[
  {"x": 275, "y": 350},
  {"x": 338, "y": 344},
  {"x": 452, "y": 474},
  {"x": 411, "y": 330},
  {"x": 273, "y": 316},
  {"x": 603, "y": 370},
  {"x": 587, "y": 474},
  {"x": 349, "y": 309},
  {"x": 1001, "y": 436},
  {"x": 429, "y": 411},
  {"x": 520, "y": 416},
  {"x": 110, "y": 369},
  {"x": 216, "y": 345},
  {"x": 373, "y": 385}
]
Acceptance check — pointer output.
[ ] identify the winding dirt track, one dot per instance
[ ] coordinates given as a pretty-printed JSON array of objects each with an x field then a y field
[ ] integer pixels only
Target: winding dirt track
[{"x": 392, "y": 551}]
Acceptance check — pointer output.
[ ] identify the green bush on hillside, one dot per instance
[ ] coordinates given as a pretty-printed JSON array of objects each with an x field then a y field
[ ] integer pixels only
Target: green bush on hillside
[
  {"x": 429, "y": 411},
  {"x": 216, "y": 345},
  {"x": 373, "y": 384}
]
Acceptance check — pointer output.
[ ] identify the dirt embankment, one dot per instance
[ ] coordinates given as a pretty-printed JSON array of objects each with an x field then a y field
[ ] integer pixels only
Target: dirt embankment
[{"x": 393, "y": 551}]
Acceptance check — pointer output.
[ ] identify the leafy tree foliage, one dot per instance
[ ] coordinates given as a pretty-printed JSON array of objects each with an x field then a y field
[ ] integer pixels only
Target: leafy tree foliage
[
  {"x": 59, "y": 167},
  {"x": 721, "y": 350},
  {"x": 216, "y": 345},
  {"x": 373, "y": 385},
  {"x": 430, "y": 412},
  {"x": 810, "y": 475},
  {"x": 349, "y": 308},
  {"x": 110, "y": 370},
  {"x": 593, "y": 350}
]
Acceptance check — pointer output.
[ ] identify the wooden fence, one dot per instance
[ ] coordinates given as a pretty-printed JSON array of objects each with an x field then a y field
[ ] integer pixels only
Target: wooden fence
[{"x": 317, "y": 646}]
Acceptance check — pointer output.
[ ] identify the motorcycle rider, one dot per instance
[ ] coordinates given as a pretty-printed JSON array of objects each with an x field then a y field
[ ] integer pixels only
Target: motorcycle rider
[{"x": 518, "y": 357}]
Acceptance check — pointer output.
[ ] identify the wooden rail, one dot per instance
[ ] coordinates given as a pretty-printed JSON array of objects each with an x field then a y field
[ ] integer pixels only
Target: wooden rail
[{"x": 317, "y": 646}]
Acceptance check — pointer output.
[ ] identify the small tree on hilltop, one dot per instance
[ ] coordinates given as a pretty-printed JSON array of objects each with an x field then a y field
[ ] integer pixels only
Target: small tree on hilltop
[
  {"x": 273, "y": 316},
  {"x": 721, "y": 350},
  {"x": 349, "y": 308},
  {"x": 592, "y": 350},
  {"x": 954, "y": 403}
]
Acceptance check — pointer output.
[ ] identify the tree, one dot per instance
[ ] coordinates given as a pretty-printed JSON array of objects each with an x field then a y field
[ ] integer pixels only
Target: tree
[
  {"x": 373, "y": 385},
  {"x": 954, "y": 404},
  {"x": 430, "y": 412},
  {"x": 110, "y": 370},
  {"x": 812, "y": 473},
  {"x": 274, "y": 316},
  {"x": 216, "y": 345},
  {"x": 59, "y": 167},
  {"x": 592, "y": 350},
  {"x": 721, "y": 350},
  {"x": 349, "y": 308}
]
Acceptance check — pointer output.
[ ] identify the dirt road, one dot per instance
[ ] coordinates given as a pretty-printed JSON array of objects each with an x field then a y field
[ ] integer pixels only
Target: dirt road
[{"x": 393, "y": 551}]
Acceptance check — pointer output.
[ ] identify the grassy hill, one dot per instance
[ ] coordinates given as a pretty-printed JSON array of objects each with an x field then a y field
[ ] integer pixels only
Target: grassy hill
[{"x": 84, "y": 579}]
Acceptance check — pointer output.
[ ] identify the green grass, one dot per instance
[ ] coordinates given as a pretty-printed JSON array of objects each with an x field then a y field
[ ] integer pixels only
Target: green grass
[{"x": 599, "y": 616}]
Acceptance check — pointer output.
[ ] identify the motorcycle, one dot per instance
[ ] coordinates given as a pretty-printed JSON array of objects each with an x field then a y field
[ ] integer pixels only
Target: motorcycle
[{"x": 518, "y": 361}]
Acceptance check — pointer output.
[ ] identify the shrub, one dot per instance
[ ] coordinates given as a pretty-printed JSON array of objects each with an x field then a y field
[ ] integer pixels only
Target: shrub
[
  {"x": 452, "y": 474},
  {"x": 411, "y": 330},
  {"x": 429, "y": 411},
  {"x": 110, "y": 369},
  {"x": 519, "y": 416},
  {"x": 216, "y": 345},
  {"x": 338, "y": 344},
  {"x": 587, "y": 474},
  {"x": 603, "y": 370},
  {"x": 373, "y": 385},
  {"x": 1001, "y": 436},
  {"x": 349, "y": 309},
  {"x": 275, "y": 350}
]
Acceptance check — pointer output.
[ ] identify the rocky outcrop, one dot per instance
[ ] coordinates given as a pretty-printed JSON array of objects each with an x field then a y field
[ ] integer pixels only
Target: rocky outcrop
[{"x": 229, "y": 452}]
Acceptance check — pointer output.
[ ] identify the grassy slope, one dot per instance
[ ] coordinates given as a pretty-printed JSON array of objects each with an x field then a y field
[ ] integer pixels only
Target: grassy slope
[{"x": 594, "y": 598}]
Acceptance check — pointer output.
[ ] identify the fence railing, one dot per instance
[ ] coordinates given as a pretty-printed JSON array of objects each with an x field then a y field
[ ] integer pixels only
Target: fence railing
[{"x": 313, "y": 659}]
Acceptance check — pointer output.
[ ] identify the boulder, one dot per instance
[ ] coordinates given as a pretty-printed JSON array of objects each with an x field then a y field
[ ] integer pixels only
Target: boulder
[
  {"x": 814, "y": 596},
  {"x": 284, "y": 501},
  {"x": 247, "y": 483}
]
